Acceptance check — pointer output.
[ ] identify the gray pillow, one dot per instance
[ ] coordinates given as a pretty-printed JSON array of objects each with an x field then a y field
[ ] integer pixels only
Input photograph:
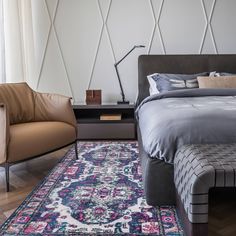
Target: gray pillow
[{"x": 168, "y": 82}]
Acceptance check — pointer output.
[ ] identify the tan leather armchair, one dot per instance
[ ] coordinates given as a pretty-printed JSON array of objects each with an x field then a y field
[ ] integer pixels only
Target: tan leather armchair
[{"x": 32, "y": 124}]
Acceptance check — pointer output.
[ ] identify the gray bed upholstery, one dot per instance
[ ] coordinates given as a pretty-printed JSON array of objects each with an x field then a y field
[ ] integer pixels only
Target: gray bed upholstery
[
  {"x": 180, "y": 64},
  {"x": 157, "y": 178},
  {"x": 198, "y": 168},
  {"x": 158, "y": 175}
]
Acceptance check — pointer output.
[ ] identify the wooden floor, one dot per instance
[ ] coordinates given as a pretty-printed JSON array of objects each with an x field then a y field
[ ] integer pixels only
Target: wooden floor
[
  {"x": 222, "y": 220},
  {"x": 23, "y": 179},
  {"x": 25, "y": 176}
]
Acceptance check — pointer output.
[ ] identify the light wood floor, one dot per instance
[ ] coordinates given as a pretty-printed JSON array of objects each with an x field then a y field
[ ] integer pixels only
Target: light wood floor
[{"x": 25, "y": 176}]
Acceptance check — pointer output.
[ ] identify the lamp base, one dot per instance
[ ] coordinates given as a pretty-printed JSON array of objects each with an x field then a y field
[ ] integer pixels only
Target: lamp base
[{"x": 123, "y": 102}]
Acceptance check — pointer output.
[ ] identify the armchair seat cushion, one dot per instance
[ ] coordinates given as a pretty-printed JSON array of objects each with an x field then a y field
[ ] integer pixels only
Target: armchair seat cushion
[{"x": 36, "y": 138}]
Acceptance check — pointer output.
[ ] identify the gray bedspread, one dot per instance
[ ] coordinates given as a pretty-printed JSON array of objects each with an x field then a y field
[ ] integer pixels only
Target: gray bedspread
[{"x": 194, "y": 116}]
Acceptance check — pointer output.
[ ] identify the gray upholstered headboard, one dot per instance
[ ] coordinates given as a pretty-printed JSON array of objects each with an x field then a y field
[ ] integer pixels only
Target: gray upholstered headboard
[{"x": 182, "y": 64}]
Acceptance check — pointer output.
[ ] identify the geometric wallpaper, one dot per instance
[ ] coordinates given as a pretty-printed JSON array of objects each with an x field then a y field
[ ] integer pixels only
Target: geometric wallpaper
[{"x": 77, "y": 42}]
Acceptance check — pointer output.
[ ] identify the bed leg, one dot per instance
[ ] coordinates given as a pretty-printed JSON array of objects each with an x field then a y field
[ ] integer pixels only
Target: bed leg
[
  {"x": 7, "y": 166},
  {"x": 76, "y": 150}
]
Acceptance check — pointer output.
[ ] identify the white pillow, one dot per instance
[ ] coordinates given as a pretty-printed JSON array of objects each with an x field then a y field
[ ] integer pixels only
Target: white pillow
[
  {"x": 214, "y": 74},
  {"x": 152, "y": 85},
  {"x": 217, "y": 74}
]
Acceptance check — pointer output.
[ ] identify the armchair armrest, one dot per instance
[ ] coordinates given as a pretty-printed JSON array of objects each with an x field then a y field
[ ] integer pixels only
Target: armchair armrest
[
  {"x": 4, "y": 132},
  {"x": 53, "y": 107}
]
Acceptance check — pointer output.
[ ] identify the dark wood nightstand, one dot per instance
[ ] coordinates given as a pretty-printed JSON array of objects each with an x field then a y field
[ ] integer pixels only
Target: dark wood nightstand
[{"x": 91, "y": 127}]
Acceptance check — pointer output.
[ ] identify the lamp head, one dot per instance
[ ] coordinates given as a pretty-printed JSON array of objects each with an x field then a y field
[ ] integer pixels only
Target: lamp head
[{"x": 139, "y": 46}]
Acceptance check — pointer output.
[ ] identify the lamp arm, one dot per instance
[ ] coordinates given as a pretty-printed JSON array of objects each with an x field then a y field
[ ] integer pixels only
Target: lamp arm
[
  {"x": 121, "y": 88},
  {"x": 117, "y": 63},
  {"x": 117, "y": 72}
]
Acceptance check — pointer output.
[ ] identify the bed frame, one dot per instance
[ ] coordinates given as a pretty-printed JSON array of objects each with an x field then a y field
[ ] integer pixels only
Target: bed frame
[{"x": 158, "y": 175}]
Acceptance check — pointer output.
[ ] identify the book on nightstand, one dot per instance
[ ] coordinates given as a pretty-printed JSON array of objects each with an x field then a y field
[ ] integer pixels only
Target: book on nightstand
[{"x": 110, "y": 117}]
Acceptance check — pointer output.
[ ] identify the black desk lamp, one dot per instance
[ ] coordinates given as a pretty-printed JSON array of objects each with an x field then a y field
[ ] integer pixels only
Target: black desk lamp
[{"x": 118, "y": 75}]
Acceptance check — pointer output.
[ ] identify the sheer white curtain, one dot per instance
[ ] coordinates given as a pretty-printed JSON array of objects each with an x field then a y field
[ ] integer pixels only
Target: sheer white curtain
[
  {"x": 18, "y": 45},
  {"x": 2, "y": 47}
]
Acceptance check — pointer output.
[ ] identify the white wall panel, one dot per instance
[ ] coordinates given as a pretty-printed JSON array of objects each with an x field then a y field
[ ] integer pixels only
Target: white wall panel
[
  {"x": 52, "y": 6},
  {"x": 209, "y": 5},
  {"x": 156, "y": 44},
  {"x": 105, "y": 7},
  {"x": 41, "y": 29},
  {"x": 157, "y": 7},
  {"x": 54, "y": 78},
  {"x": 182, "y": 26},
  {"x": 78, "y": 24},
  {"x": 128, "y": 26},
  {"x": 104, "y": 76},
  {"x": 77, "y": 42},
  {"x": 208, "y": 46},
  {"x": 223, "y": 24}
]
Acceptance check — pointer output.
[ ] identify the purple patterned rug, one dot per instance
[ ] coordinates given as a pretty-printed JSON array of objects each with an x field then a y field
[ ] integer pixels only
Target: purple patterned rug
[{"x": 99, "y": 194}]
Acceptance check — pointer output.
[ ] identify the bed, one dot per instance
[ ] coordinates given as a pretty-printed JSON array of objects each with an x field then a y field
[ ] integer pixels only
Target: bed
[{"x": 158, "y": 171}]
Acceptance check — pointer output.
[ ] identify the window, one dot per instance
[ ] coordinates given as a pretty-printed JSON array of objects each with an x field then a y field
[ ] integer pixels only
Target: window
[{"x": 2, "y": 48}]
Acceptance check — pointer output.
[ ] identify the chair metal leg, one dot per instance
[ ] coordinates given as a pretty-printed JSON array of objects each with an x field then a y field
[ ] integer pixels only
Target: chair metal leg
[
  {"x": 7, "y": 166},
  {"x": 76, "y": 150}
]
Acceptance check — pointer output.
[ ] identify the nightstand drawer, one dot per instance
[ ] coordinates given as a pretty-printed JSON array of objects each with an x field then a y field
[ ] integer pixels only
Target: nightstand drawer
[{"x": 106, "y": 131}]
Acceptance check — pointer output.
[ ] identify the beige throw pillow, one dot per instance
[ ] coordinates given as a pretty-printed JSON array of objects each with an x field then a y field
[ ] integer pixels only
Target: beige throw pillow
[{"x": 217, "y": 82}]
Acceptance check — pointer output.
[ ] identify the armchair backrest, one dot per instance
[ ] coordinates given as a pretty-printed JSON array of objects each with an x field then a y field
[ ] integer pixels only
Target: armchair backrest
[{"x": 19, "y": 100}]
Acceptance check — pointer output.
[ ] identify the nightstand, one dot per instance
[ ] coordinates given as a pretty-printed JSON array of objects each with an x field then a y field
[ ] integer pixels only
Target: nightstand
[{"x": 90, "y": 126}]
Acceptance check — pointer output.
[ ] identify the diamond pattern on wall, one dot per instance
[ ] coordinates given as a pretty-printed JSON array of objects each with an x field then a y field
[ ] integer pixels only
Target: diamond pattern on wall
[
  {"x": 74, "y": 35},
  {"x": 209, "y": 7},
  {"x": 157, "y": 45},
  {"x": 223, "y": 26},
  {"x": 41, "y": 25},
  {"x": 58, "y": 82},
  {"x": 105, "y": 7},
  {"x": 128, "y": 28},
  {"x": 104, "y": 75},
  {"x": 208, "y": 45},
  {"x": 104, "y": 68},
  {"x": 77, "y": 42},
  {"x": 177, "y": 31},
  {"x": 52, "y": 5}
]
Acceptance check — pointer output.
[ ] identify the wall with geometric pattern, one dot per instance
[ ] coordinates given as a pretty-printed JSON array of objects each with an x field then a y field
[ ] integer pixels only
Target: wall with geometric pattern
[{"x": 77, "y": 42}]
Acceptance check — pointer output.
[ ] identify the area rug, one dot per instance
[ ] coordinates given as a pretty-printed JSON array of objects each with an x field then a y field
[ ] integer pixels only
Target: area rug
[{"x": 101, "y": 193}]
